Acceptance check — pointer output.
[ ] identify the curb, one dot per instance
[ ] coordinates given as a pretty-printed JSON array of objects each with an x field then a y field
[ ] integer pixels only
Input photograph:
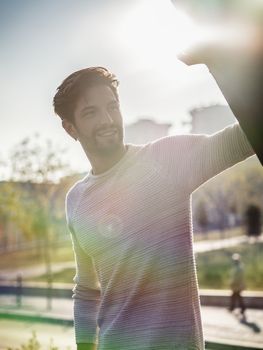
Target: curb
[
  {"x": 208, "y": 297},
  {"x": 219, "y": 345}
]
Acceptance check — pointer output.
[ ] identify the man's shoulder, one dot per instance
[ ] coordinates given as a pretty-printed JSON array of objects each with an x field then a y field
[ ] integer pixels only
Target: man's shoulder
[
  {"x": 173, "y": 142},
  {"x": 75, "y": 191},
  {"x": 73, "y": 197}
]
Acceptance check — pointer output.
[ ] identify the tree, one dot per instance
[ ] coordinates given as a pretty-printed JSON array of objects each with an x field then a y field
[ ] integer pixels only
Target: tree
[
  {"x": 202, "y": 216},
  {"x": 35, "y": 169},
  {"x": 228, "y": 194},
  {"x": 253, "y": 220}
]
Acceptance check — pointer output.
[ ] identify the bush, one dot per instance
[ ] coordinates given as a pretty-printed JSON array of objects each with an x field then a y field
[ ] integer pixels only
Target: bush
[{"x": 33, "y": 344}]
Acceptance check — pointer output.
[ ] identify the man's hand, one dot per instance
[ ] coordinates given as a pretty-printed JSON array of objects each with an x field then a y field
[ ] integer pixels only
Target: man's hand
[
  {"x": 240, "y": 80},
  {"x": 86, "y": 346}
]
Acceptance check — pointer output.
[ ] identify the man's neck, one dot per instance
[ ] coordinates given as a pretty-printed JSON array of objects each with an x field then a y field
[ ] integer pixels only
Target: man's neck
[{"x": 102, "y": 164}]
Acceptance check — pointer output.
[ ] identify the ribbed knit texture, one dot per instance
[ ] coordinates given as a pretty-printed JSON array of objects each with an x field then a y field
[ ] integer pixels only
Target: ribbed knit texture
[{"x": 131, "y": 227}]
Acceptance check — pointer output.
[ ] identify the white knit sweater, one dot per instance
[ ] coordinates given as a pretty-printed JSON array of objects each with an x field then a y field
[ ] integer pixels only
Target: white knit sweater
[{"x": 131, "y": 227}]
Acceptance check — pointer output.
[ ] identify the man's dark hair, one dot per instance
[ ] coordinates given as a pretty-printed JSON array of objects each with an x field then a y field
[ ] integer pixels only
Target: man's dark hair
[{"x": 69, "y": 91}]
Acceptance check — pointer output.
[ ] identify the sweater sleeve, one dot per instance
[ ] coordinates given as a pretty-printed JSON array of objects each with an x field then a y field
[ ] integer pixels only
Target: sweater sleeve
[
  {"x": 86, "y": 297},
  {"x": 209, "y": 155},
  {"x": 86, "y": 293}
]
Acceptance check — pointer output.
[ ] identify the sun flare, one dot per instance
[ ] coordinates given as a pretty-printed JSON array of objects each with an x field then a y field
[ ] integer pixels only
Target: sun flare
[{"x": 156, "y": 31}]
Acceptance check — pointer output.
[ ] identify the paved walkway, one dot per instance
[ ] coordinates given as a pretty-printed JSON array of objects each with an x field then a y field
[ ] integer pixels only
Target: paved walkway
[
  {"x": 219, "y": 324},
  {"x": 34, "y": 271}
]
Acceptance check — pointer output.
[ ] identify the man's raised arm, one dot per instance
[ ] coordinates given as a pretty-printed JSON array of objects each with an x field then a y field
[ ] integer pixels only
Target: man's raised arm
[
  {"x": 234, "y": 58},
  {"x": 208, "y": 155}
]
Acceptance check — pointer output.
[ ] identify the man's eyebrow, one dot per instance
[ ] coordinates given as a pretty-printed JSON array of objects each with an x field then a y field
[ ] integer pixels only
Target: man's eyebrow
[{"x": 92, "y": 108}]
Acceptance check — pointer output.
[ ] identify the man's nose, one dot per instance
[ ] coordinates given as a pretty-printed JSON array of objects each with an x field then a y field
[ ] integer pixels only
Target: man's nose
[{"x": 106, "y": 117}]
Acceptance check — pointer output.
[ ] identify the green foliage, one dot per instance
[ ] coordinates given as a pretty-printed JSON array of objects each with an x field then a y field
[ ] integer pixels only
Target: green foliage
[
  {"x": 214, "y": 268},
  {"x": 26, "y": 258},
  {"x": 33, "y": 344},
  {"x": 10, "y": 199},
  {"x": 37, "y": 161},
  {"x": 230, "y": 192},
  {"x": 201, "y": 215},
  {"x": 32, "y": 201}
]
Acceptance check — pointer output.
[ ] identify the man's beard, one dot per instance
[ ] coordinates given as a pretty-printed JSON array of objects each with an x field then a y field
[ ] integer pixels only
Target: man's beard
[{"x": 107, "y": 145}]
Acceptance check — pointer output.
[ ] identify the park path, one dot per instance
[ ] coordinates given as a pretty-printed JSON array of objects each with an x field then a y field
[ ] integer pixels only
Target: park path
[
  {"x": 34, "y": 271},
  {"x": 199, "y": 247},
  {"x": 208, "y": 245}
]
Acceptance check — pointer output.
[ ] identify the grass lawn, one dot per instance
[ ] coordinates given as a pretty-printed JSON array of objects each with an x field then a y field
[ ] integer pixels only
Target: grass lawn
[
  {"x": 213, "y": 268},
  {"x": 26, "y": 258}
]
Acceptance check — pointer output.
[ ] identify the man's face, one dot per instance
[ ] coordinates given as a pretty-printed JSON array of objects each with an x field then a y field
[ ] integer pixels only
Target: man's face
[{"x": 98, "y": 121}]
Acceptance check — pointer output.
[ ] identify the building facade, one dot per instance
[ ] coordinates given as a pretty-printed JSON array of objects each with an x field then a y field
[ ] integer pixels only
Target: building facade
[
  {"x": 210, "y": 119},
  {"x": 145, "y": 130}
]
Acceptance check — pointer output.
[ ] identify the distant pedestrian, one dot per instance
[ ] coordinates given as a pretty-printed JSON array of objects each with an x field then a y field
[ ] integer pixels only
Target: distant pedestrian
[{"x": 237, "y": 285}]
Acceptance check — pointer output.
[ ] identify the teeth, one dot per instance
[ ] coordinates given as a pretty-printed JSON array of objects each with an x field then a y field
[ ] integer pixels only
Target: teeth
[{"x": 107, "y": 133}]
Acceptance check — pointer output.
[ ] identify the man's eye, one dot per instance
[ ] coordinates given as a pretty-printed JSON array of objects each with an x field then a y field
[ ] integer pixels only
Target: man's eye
[{"x": 89, "y": 114}]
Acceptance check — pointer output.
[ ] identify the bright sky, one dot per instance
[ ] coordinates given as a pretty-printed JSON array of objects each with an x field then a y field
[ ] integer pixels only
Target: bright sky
[{"x": 44, "y": 41}]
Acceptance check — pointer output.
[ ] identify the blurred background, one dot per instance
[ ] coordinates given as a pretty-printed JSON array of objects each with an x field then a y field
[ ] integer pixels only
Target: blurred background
[{"x": 42, "y": 43}]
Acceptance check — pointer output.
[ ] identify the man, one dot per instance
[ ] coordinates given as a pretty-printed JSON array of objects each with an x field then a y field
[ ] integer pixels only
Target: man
[
  {"x": 130, "y": 221},
  {"x": 237, "y": 284}
]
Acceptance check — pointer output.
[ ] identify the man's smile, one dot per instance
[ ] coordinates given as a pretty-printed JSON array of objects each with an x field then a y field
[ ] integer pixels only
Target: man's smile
[{"x": 107, "y": 132}]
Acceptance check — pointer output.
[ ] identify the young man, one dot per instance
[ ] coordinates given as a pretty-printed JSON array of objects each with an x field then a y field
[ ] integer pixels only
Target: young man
[{"x": 130, "y": 222}]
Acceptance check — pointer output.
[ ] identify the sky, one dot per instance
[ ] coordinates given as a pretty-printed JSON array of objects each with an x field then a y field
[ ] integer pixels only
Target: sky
[{"x": 44, "y": 41}]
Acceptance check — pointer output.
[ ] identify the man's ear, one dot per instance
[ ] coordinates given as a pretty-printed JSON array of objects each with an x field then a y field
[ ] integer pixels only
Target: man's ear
[{"x": 70, "y": 128}]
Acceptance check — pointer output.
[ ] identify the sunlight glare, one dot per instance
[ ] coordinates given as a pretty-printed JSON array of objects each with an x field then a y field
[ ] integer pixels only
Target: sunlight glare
[{"x": 155, "y": 32}]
